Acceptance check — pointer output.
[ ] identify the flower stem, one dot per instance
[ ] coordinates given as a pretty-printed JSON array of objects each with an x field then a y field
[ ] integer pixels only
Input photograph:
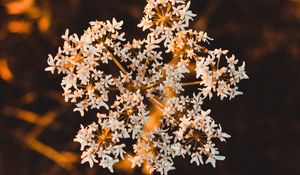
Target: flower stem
[
  {"x": 157, "y": 103},
  {"x": 191, "y": 83},
  {"x": 118, "y": 64}
]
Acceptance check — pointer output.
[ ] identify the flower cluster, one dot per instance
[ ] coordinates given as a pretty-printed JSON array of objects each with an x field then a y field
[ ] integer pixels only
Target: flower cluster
[
  {"x": 79, "y": 58},
  {"x": 155, "y": 72},
  {"x": 163, "y": 17}
]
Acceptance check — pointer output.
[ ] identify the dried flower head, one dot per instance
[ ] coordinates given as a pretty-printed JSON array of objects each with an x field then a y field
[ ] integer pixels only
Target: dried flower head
[{"x": 156, "y": 71}]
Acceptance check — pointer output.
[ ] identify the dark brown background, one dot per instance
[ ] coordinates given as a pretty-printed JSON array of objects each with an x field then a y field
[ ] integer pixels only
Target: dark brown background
[{"x": 264, "y": 123}]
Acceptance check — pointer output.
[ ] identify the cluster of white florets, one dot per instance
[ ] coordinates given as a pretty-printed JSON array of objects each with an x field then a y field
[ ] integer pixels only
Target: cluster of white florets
[
  {"x": 164, "y": 17},
  {"x": 153, "y": 72}
]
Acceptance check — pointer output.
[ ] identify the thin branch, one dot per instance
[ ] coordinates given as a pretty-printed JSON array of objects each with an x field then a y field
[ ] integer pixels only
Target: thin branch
[
  {"x": 117, "y": 63},
  {"x": 64, "y": 160},
  {"x": 157, "y": 103},
  {"x": 191, "y": 83}
]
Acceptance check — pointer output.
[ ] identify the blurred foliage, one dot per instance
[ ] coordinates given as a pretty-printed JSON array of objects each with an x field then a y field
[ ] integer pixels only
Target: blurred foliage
[{"x": 37, "y": 127}]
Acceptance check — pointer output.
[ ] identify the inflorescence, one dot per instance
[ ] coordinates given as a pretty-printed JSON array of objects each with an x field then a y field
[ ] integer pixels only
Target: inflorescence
[{"x": 157, "y": 71}]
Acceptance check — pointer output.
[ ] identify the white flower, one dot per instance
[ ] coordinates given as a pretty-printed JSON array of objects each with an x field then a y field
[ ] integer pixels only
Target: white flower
[
  {"x": 51, "y": 64},
  {"x": 242, "y": 72},
  {"x": 212, "y": 160},
  {"x": 66, "y": 35},
  {"x": 82, "y": 137},
  {"x": 185, "y": 122},
  {"x": 165, "y": 166},
  {"x": 219, "y": 52},
  {"x": 153, "y": 91},
  {"x": 118, "y": 150},
  {"x": 136, "y": 161},
  {"x": 222, "y": 135},
  {"x": 196, "y": 158},
  {"x": 87, "y": 156},
  {"x": 108, "y": 162}
]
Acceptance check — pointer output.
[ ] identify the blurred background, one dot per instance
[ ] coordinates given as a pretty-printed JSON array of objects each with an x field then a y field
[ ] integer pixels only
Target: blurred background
[{"x": 37, "y": 127}]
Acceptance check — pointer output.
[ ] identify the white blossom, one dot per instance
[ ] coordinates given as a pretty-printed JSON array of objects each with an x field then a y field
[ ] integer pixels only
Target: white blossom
[{"x": 152, "y": 73}]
